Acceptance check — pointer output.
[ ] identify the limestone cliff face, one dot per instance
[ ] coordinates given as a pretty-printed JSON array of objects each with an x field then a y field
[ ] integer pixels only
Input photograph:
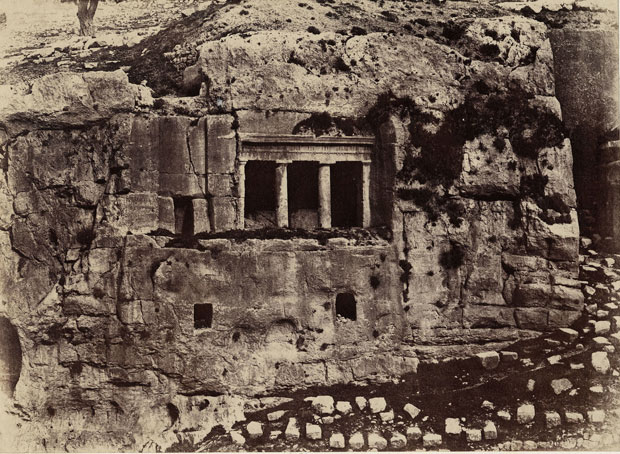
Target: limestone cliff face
[{"x": 473, "y": 243}]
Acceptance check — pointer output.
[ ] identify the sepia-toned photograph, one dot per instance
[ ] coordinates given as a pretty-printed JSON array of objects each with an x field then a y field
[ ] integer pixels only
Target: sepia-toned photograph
[{"x": 309, "y": 226}]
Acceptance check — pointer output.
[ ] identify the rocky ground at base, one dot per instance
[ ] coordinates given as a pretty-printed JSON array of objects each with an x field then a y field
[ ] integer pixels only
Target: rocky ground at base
[{"x": 558, "y": 392}]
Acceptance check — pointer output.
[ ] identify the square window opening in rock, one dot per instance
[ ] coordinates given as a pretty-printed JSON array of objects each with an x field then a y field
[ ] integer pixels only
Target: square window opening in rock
[
  {"x": 183, "y": 216},
  {"x": 346, "y": 306},
  {"x": 203, "y": 315},
  {"x": 260, "y": 194},
  {"x": 346, "y": 179},
  {"x": 303, "y": 194}
]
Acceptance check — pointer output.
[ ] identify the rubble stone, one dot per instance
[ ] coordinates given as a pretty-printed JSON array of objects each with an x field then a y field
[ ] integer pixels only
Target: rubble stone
[
  {"x": 596, "y": 416},
  {"x": 552, "y": 419},
  {"x": 292, "y": 430},
  {"x": 525, "y": 413},
  {"x": 473, "y": 435},
  {"x": 398, "y": 441},
  {"x": 313, "y": 431},
  {"x": 336, "y": 441},
  {"x": 600, "y": 362},
  {"x": 323, "y": 405},
  {"x": 376, "y": 441},
  {"x": 490, "y": 431},
  {"x": 255, "y": 429},
  {"x": 412, "y": 410},
  {"x": 431, "y": 440},
  {"x": 414, "y": 433},
  {"x": 561, "y": 385},
  {"x": 453, "y": 426},
  {"x": 489, "y": 360},
  {"x": 356, "y": 441},
  {"x": 377, "y": 404},
  {"x": 361, "y": 402},
  {"x": 344, "y": 407}
]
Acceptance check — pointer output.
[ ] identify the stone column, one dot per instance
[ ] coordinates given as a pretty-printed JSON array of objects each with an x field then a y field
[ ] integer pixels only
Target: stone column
[
  {"x": 365, "y": 194},
  {"x": 241, "y": 195},
  {"x": 325, "y": 197},
  {"x": 282, "y": 194}
]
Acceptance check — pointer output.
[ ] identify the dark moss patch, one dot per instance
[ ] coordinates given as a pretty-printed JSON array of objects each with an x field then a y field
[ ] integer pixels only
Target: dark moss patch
[
  {"x": 358, "y": 31},
  {"x": 453, "y": 31},
  {"x": 489, "y": 50},
  {"x": 454, "y": 257},
  {"x": 315, "y": 31},
  {"x": 341, "y": 65},
  {"x": 295, "y": 60}
]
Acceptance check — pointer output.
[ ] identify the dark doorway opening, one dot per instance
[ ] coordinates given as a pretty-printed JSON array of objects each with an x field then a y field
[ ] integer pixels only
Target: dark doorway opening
[
  {"x": 260, "y": 193},
  {"x": 346, "y": 194},
  {"x": 346, "y": 306},
  {"x": 303, "y": 194},
  {"x": 183, "y": 216},
  {"x": 10, "y": 357},
  {"x": 203, "y": 315}
]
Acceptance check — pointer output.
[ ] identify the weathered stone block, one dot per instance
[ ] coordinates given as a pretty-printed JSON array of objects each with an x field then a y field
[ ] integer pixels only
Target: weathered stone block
[
  {"x": 201, "y": 216},
  {"x": 221, "y": 144},
  {"x": 220, "y": 185},
  {"x": 166, "y": 213},
  {"x": 532, "y": 295},
  {"x": 173, "y": 150},
  {"x": 532, "y": 318},
  {"x": 488, "y": 317},
  {"x": 561, "y": 318},
  {"x": 224, "y": 213},
  {"x": 181, "y": 184}
]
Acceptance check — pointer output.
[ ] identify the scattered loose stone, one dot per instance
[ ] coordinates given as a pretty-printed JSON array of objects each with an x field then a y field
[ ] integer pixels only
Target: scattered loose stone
[
  {"x": 504, "y": 415},
  {"x": 376, "y": 441},
  {"x": 516, "y": 445},
  {"x": 255, "y": 429},
  {"x": 292, "y": 430},
  {"x": 412, "y": 410},
  {"x": 597, "y": 389},
  {"x": 577, "y": 366},
  {"x": 327, "y": 420},
  {"x": 344, "y": 407},
  {"x": 237, "y": 438},
  {"x": 431, "y": 440},
  {"x": 560, "y": 385},
  {"x": 602, "y": 314},
  {"x": 489, "y": 360},
  {"x": 323, "y": 405},
  {"x": 525, "y": 413},
  {"x": 609, "y": 348},
  {"x": 600, "y": 362},
  {"x": 473, "y": 435},
  {"x": 275, "y": 415},
  {"x": 488, "y": 405},
  {"x": 509, "y": 356},
  {"x": 530, "y": 385},
  {"x": 602, "y": 326},
  {"x": 361, "y": 402},
  {"x": 336, "y": 441},
  {"x": 275, "y": 434},
  {"x": 356, "y": 441},
  {"x": 596, "y": 416},
  {"x": 552, "y": 419},
  {"x": 377, "y": 404},
  {"x": 555, "y": 359},
  {"x": 387, "y": 416},
  {"x": 414, "y": 433},
  {"x": 609, "y": 261},
  {"x": 453, "y": 426},
  {"x": 588, "y": 290},
  {"x": 313, "y": 431},
  {"x": 398, "y": 441},
  {"x": 530, "y": 445},
  {"x": 568, "y": 334},
  {"x": 490, "y": 431},
  {"x": 615, "y": 338}
]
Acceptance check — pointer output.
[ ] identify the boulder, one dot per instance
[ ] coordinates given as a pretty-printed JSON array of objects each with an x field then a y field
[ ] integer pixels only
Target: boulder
[
  {"x": 453, "y": 426},
  {"x": 412, "y": 410},
  {"x": 473, "y": 435},
  {"x": 490, "y": 431},
  {"x": 398, "y": 441},
  {"x": 313, "y": 432},
  {"x": 431, "y": 440},
  {"x": 552, "y": 419},
  {"x": 255, "y": 429},
  {"x": 292, "y": 430},
  {"x": 356, "y": 441},
  {"x": 560, "y": 385},
  {"x": 323, "y": 405}
]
